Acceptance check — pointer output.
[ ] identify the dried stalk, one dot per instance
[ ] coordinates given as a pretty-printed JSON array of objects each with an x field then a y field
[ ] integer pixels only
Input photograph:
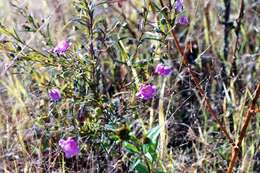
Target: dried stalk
[
  {"x": 235, "y": 149},
  {"x": 238, "y": 28},
  {"x": 162, "y": 121},
  {"x": 227, "y": 28},
  {"x": 200, "y": 90},
  {"x": 234, "y": 71}
]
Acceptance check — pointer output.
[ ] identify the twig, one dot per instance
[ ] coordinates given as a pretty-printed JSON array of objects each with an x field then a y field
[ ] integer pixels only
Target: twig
[
  {"x": 128, "y": 21},
  {"x": 207, "y": 23},
  {"x": 239, "y": 20},
  {"x": 162, "y": 4},
  {"x": 200, "y": 90},
  {"x": 45, "y": 23},
  {"x": 10, "y": 64},
  {"x": 237, "y": 31},
  {"x": 226, "y": 29},
  {"x": 235, "y": 149}
]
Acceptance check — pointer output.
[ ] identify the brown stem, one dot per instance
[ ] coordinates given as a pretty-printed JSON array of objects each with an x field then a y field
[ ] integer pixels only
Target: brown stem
[
  {"x": 242, "y": 134},
  {"x": 127, "y": 20},
  {"x": 227, "y": 28},
  {"x": 161, "y": 2},
  {"x": 200, "y": 90},
  {"x": 239, "y": 20},
  {"x": 234, "y": 70}
]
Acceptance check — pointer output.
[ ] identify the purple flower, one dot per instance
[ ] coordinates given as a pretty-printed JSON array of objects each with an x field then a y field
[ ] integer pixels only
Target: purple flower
[
  {"x": 69, "y": 147},
  {"x": 183, "y": 20},
  {"x": 146, "y": 92},
  {"x": 61, "y": 47},
  {"x": 179, "y": 5},
  {"x": 55, "y": 94},
  {"x": 163, "y": 70}
]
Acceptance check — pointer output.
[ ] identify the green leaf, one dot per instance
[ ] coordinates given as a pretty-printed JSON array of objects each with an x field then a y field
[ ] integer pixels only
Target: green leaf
[
  {"x": 34, "y": 56},
  {"x": 154, "y": 133},
  {"x": 135, "y": 164},
  {"x": 123, "y": 52},
  {"x": 131, "y": 148},
  {"x": 5, "y": 31},
  {"x": 149, "y": 156},
  {"x": 160, "y": 171},
  {"x": 141, "y": 168},
  {"x": 151, "y": 36},
  {"x": 115, "y": 138}
]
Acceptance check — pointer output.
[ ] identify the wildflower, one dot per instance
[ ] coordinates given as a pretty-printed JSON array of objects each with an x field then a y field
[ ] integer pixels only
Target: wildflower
[
  {"x": 55, "y": 94},
  {"x": 69, "y": 147},
  {"x": 163, "y": 70},
  {"x": 183, "y": 20},
  {"x": 146, "y": 92},
  {"x": 61, "y": 47},
  {"x": 179, "y": 5}
]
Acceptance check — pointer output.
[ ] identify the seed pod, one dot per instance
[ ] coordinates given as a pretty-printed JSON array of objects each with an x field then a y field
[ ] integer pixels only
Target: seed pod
[
  {"x": 82, "y": 114},
  {"x": 123, "y": 132},
  {"x": 146, "y": 140},
  {"x": 191, "y": 52}
]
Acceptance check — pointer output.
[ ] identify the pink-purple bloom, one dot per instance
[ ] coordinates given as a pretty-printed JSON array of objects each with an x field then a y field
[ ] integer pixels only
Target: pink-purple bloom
[
  {"x": 183, "y": 20},
  {"x": 146, "y": 91},
  {"x": 69, "y": 147},
  {"x": 163, "y": 70},
  {"x": 179, "y": 5},
  {"x": 55, "y": 94},
  {"x": 61, "y": 47}
]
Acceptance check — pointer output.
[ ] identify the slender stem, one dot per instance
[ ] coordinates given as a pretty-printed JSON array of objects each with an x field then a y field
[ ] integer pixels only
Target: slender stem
[
  {"x": 242, "y": 134},
  {"x": 142, "y": 154},
  {"x": 162, "y": 120},
  {"x": 146, "y": 162},
  {"x": 161, "y": 2},
  {"x": 234, "y": 70},
  {"x": 226, "y": 29}
]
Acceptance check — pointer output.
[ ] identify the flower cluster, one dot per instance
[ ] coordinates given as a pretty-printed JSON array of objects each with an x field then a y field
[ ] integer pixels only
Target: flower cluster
[
  {"x": 147, "y": 91},
  {"x": 69, "y": 146}
]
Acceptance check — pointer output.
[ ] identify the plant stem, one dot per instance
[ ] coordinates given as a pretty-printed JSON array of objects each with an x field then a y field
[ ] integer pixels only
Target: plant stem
[
  {"x": 226, "y": 29},
  {"x": 234, "y": 71},
  {"x": 235, "y": 149},
  {"x": 162, "y": 120}
]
